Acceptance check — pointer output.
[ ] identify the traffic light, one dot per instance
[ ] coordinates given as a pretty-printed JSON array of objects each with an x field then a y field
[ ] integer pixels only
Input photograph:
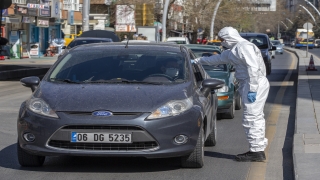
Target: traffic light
[{"x": 144, "y": 14}]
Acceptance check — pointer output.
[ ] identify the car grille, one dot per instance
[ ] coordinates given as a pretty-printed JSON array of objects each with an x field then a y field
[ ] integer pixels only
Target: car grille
[
  {"x": 103, "y": 146},
  {"x": 103, "y": 127},
  {"x": 113, "y": 113}
]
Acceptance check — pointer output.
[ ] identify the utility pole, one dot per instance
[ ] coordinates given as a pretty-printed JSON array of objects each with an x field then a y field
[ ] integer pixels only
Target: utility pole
[
  {"x": 85, "y": 15},
  {"x": 213, "y": 18},
  {"x": 278, "y": 30},
  {"x": 164, "y": 21}
]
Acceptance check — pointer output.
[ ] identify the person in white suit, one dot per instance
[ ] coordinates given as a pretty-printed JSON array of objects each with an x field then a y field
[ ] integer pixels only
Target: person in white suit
[{"x": 254, "y": 87}]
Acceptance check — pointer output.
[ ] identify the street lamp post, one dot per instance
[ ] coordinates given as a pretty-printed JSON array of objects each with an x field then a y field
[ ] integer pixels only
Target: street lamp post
[
  {"x": 213, "y": 18},
  {"x": 309, "y": 13},
  {"x": 164, "y": 21}
]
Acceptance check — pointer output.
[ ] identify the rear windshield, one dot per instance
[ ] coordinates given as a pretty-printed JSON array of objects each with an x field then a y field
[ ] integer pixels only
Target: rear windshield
[
  {"x": 260, "y": 41},
  {"x": 81, "y": 42},
  {"x": 275, "y": 42},
  {"x": 121, "y": 65},
  {"x": 202, "y": 52},
  {"x": 210, "y": 69}
]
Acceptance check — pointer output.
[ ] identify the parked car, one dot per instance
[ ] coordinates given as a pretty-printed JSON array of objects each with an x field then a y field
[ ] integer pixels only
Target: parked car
[
  {"x": 278, "y": 45},
  {"x": 262, "y": 41},
  {"x": 178, "y": 40},
  {"x": 229, "y": 98},
  {"x": 292, "y": 44},
  {"x": 82, "y": 41},
  {"x": 94, "y": 101}
]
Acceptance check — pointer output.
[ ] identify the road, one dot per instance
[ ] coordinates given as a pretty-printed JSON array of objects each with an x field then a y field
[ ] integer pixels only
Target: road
[{"x": 219, "y": 163}]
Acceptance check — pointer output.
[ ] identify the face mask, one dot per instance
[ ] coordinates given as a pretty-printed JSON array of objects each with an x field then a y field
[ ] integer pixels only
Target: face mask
[
  {"x": 172, "y": 72},
  {"x": 225, "y": 44}
]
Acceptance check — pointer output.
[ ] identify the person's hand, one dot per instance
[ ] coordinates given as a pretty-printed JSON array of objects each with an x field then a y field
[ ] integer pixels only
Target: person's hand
[
  {"x": 252, "y": 96},
  {"x": 197, "y": 59}
]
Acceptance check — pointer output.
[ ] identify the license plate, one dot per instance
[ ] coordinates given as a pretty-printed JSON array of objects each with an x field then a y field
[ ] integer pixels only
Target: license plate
[{"x": 101, "y": 137}]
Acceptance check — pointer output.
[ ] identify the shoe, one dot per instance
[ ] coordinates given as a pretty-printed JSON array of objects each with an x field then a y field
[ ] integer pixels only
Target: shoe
[{"x": 251, "y": 156}]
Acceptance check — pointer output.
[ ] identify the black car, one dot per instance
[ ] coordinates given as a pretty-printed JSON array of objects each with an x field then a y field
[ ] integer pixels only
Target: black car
[
  {"x": 263, "y": 42},
  {"x": 97, "y": 100},
  {"x": 84, "y": 40}
]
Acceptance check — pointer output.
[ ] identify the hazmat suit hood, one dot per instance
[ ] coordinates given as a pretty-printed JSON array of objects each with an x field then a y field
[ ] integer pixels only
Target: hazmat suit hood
[{"x": 231, "y": 37}]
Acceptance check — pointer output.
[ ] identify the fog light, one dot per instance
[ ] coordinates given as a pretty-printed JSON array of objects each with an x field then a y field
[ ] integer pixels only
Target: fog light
[
  {"x": 29, "y": 137},
  {"x": 180, "y": 139}
]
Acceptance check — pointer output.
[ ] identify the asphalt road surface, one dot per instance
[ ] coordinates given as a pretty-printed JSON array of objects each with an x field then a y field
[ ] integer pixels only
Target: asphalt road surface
[{"x": 219, "y": 163}]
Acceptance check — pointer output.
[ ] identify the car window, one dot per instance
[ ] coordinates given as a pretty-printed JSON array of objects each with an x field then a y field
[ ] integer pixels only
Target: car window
[
  {"x": 179, "y": 42},
  {"x": 260, "y": 41},
  {"x": 81, "y": 42},
  {"x": 122, "y": 64}
]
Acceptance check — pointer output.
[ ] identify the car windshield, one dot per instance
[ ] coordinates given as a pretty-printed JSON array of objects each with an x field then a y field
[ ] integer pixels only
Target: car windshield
[
  {"x": 114, "y": 65},
  {"x": 275, "y": 42},
  {"x": 210, "y": 69},
  {"x": 78, "y": 42},
  {"x": 260, "y": 41},
  {"x": 200, "y": 52}
]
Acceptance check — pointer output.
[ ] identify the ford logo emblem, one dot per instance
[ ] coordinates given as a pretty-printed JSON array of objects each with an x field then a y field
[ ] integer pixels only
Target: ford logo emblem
[{"x": 102, "y": 113}]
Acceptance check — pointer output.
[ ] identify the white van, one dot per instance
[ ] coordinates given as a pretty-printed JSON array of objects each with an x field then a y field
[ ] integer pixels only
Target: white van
[{"x": 178, "y": 40}]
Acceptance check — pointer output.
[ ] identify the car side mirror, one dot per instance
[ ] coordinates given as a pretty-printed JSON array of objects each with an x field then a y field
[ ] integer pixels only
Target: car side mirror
[
  {"x": 31, "y": 82},
  {"x": 213, "y": 83},
  {"x": 64, "y": 47},
  {"x": 274, "y": 48}
]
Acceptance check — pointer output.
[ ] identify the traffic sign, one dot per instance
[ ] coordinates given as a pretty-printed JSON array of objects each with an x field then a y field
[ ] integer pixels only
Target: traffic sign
[{"x": 307, "y": 26}]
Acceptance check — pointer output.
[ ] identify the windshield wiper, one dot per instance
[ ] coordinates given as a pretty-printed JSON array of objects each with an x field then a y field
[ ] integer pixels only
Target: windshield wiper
[
  {"x": 65, "y": 80},
  {"x": 123, "y": 81}
]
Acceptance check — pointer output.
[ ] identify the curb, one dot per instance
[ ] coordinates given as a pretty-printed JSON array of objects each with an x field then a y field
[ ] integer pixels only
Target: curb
[{"x": 295, "y": 171}]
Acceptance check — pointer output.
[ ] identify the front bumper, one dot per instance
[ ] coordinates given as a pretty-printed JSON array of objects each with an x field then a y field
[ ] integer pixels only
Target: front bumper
[{"x": 154, "y": 138}]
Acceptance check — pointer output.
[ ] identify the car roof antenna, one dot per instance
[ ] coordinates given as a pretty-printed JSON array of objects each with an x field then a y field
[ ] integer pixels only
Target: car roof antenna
[{"x": 127, "y": 43}]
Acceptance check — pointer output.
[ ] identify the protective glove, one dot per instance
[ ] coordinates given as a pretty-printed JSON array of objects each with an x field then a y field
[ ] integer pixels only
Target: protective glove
[
  {"x": 252, "y": 96},
  {"x": 197, "y": 60}
]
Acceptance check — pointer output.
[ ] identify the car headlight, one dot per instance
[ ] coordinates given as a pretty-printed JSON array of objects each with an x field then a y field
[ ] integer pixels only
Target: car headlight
[
  {"x": 39, "y": 106},
  {"x": 223, "y": 89},
  {"x": 172, "y": 108}
]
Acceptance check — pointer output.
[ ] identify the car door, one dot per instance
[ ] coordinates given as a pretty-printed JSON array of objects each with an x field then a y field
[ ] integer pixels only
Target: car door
[{"x": 206, "y": 97}]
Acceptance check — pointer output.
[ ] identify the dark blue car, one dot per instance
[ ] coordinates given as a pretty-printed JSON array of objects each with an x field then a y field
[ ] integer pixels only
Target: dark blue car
[{"x": 97, "y": 100}]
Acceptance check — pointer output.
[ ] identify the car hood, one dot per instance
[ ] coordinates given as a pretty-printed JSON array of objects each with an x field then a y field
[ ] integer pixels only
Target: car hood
[{"x": 111, "y": 97}]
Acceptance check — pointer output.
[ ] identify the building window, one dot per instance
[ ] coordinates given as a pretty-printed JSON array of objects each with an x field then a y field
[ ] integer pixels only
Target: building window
[{"x": 19, "y": 1}]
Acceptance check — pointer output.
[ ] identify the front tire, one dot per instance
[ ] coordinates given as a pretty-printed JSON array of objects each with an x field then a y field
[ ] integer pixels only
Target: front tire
[
  {"x": 212, "y": 138},
  {"x": 196, "y": 158},
  {"x": 28, "y": 160},
  {"x": 238, "y": 105}
]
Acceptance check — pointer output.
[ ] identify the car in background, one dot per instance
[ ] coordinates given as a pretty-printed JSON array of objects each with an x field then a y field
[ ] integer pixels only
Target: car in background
[
  {"x": 178, "y": 40},
  {"x": 83, "y": 40},
  {"x": 292, "y": 44},
  {"x": 90, "y": 103},
  {"x": 229, "y": 98},
  {"x": 278, "y": 45},
  {"x": 262, "y": 41}
]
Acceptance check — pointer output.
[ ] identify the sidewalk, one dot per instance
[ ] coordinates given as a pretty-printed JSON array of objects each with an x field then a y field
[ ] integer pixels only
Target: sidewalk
[{"x": 306, "y": 144}]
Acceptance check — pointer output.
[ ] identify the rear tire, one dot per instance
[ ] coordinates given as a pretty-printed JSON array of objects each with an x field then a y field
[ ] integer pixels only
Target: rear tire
[
  {"x": 29, "y": 160},
  {"x": 196, "y": 158},
  {"x": 212, "y": 138},
  {"x": 230, "y": 113}
]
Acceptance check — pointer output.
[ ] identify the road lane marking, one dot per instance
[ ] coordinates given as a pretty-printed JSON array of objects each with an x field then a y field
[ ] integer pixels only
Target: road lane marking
[{"x": 258, "y": 170}]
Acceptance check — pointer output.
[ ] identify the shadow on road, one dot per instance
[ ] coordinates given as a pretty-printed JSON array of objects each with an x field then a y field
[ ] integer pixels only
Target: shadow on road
[
  {"x": 218, "y": 155},
  {"x": 8, "y": 159}
]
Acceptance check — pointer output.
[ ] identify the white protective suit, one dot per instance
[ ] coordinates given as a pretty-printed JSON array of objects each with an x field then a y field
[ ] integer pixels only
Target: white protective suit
[{"x": 251, "y": 73}]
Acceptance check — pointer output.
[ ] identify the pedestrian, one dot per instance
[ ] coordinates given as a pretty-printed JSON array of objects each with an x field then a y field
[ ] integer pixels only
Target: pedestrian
[
  {"x": 254, "y": 87},
  {"x": 125, "y": 38},
  {"x": 4, "y": 47}
]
